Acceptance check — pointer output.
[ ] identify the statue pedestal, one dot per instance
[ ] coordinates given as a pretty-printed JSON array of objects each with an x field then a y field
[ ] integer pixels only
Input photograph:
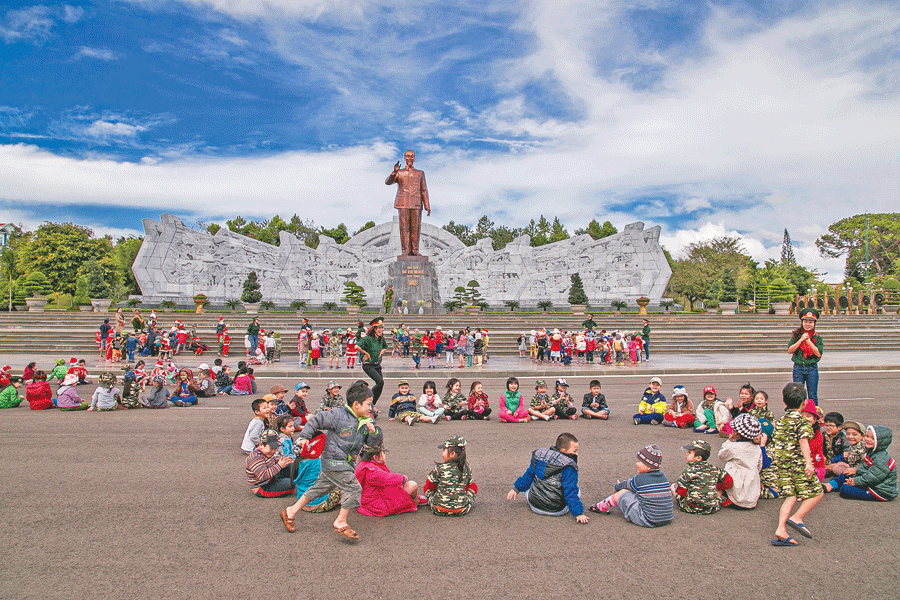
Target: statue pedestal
[{"x": 414, "y": 278}]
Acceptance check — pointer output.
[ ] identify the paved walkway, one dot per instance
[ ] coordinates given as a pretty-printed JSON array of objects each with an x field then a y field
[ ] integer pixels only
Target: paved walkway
[{"x": 504, "y": 366}]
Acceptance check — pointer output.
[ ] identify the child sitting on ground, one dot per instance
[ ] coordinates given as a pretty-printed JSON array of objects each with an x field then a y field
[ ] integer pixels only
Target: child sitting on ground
[
  {"x": 332, "y": 397},
  {"x": 652, "y": 406},
  {"x": 700, "y": 487},
  {"x": 297, "y": 404},
  {"x": 722, "y": 418},
  {"x": 260, "y": 408},
  {"x": 562, "y": 401},
  {"x": 67, "y": 397},
  {"x": 457, "y": 407},
  {"x": 158, "y": 396},
  {"x": 403, "y": 405},
  {"x": 38, "y": 392},
  {"x": 817, "y": 442},
  {"x": 107, "y": 396},
  {"x": 706, "y": 420},
  {"x": 792, "y": 461},
  {"x": 540, "y": 403},
  {"x": 9, "y": 396},
  {"x": 853, "y": 455},
  {"x": 680, "y": 412},
  {"x": 284, "y": 425},
  {"x": 512, "y": 405},
  {"x": 593, "y": 405},
  {"x": 876, "y": 477},
  {"x": 131, "y": 391},
  {"x": 550, "y": 483},
  {"x": 478, "y": 407},
  {"x": 224, "y": 382},
  {"x": 835, "y": 439},
  {"x": 646, "y": 498},
  {"x": 449, "y": 490},
  {"x": 743, "y": 460},
  {"x": 267, "y": 474},
  {"x": 384, "y": 493},
  {"x": 430, "y": 405}
]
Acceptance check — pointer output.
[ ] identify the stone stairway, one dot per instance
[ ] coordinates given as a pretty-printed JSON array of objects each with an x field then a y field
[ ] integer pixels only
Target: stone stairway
[{"x": 71, "y": 333}]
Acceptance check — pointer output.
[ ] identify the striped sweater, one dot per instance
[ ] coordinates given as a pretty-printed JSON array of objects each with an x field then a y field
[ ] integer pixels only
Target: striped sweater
[{"x": 654, "y": 494}]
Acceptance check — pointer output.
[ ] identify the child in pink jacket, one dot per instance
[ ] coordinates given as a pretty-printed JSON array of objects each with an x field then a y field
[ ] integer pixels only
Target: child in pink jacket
[
  {"x": 512, "y": 405},
  {"x": 383, "y": 493}
]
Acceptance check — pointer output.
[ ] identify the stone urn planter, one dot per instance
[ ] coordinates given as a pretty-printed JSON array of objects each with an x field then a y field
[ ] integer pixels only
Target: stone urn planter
[
  {"x": 729, "y": 308},
  {"x": 782, "y": 308},
  {"x": 473, "y": 310},
  {"x": 251, "y": 308},
  {"x": 353, "y": 309},
  {"x": 642, "y": 302},
  {"x": 36, "y": 304},
  {"x": 577, "y": 309},
  {"x": 100, "y": 304},
  {"x": 199, "y": 301},
  {"x": 86, "y": 308},
  {"x": 890, "y": 309}
]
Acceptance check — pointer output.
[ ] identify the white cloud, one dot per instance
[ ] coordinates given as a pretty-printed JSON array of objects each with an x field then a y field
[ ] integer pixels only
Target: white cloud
[
  {"x": 72, "y": 14},
  {"x": 107, "y": 129},
  {"x": 98, "y": 53},
  {"x": 32, "y": 23}
]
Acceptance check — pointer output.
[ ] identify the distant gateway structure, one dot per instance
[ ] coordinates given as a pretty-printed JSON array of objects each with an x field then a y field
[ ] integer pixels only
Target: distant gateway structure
[{"x": 176, "y": 262}]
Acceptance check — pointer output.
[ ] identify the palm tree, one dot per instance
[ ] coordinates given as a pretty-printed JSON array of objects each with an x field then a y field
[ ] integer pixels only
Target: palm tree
[{"x": 8, "y": 267}]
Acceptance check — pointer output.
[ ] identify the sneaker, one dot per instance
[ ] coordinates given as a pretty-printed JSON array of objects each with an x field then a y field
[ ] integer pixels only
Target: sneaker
[
  {"x": 446, "y": 417},
  {"x": 711, "y": 431},
  {"x": 534, "y": 418},
  {"x": 463, "y": 418},
  {"x": 410, "y": 421},
  {"x": 656, "y": 421},
  {"x": 434, "y": 419},
  {"x": 637, "y": 421},
  {"x": 178, "y": 403},
  {"x": 668, "y": 423}
]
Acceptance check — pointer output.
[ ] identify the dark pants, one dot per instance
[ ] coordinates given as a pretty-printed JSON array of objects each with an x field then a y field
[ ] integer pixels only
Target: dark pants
[
  {"x": 808, "y": 375},
  {"x": 478, "y": 416},
  {"x": 647, "y": 348},
  {"x": 374, "y": 372}
]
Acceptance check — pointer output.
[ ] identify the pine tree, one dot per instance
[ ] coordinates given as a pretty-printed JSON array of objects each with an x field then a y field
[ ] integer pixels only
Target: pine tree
[
  {"x": 576, "y": 292},
  {"x": 787, "y": 250},
  {"x": 251, "y": 289}
]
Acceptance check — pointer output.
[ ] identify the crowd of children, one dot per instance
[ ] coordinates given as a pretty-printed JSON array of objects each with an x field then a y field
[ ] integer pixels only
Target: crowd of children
[{"x": 586, "y": 346}]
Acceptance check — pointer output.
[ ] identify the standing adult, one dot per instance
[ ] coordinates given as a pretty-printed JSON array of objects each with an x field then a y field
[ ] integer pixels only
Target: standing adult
[
  {"x": 807, "y": 347},
  {"x": 645, "y": 336},
  {"x": 589, "y": 323},
  {"x": 104, "y": 333},
  {"x": 371, "y": 348},
  {"x": 137, "y": 321},
  {"x": 253, "y": 334},
  {"x": 388, "y": 299},
  {"x": 120, "y": 320},
  {"x": 412, "y": 197},
  {"x": 305, "y": 326}
]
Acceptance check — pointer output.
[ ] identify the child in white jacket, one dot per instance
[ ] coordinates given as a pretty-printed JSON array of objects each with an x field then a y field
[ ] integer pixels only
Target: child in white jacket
[{"x": 743, "y": 460}]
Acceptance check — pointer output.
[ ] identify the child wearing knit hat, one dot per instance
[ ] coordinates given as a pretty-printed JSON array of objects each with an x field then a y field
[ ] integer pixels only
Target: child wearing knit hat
[
  {"x": 646, "y": 498},
  {"x": 743, "y": 460}
]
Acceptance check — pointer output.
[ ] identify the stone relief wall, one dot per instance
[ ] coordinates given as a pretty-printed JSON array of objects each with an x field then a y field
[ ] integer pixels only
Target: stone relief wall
[{"x": 176, "y": 262}]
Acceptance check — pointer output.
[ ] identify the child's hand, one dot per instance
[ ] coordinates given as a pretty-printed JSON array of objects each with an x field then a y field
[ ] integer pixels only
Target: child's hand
[
  {"x": 582, "y": 519},
  {"x": 849, "y": 481},
  {"x": 391, "y": 419},
  {"x": 370, "y": 427},
  {"x": 850, "y": 471},
  {"x": 511, "y": 495},
  {"x": 809, "y": 470},
  {"x": 285, "y": 461}
]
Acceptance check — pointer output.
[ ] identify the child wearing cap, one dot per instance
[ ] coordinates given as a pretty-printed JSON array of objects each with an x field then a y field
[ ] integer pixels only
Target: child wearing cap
[
  {"x": 384, "y": 492},
  {"x": 593, "y": 405},
  {"x": 700, "y": 486},
  {"x": 706, "y": 420},
  {"x": 680, "y": 412},
  {"x": 347, "y": 430},
  {"x": 852, "y": 456},
  {"x": 260, "y": 408},
  {"x": 540, "y": 407},
  {"x": 403, "y": 405},
  {"x": 267, "y": 474},
  {"x": 332, "y": 397},
  {"x": 876, "y": 477},
  {"x": 646, "y": 498},
  {"x": 297, "y": 404},
  {"x": 652, "y": 406},
  {"x": 449, "y": 490},
  {"x": 793, "y": 463},
  {"x": 158, "y": 395},
  {"x": 743, "y": 460},
  {"x": 806, "y": 349},
  {"x": 60, "y": 370},
  {"x": 562, "y": 401},
  {"x": 550, "y": 483}
]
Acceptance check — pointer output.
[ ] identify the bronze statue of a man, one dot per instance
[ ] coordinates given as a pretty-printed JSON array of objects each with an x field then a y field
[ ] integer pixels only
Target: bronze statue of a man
[{"x": 412, "y": 196}]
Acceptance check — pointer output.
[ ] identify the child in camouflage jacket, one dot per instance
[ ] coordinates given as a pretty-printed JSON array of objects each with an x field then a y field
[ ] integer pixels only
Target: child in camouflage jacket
[
  {"x": 699, "y": 488},
  {"x": 449, "y": 489}
]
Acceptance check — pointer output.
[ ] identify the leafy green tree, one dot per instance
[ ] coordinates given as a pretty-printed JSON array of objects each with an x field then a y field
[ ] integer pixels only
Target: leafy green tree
[
  {"x": 213, "y": 228},
  {"x": 576, "y": 291},
  {"x": 368, "y": 225},
  {"x": 847, "y": 238},
  {"x": 98, "y": 285},
  {"x": 460, "y": 232},
  {"x": 123, "y": 254},
  {"x": 354, "y": 294},
  {"x": 558, "y": 231},
  {"x": 729, "y": 291},
  {"x": 8, "y": 267},
  {"x": 338, "y": 234},
  {"x": 539, "y": 232},
  {"x": 596, "y": 231},
  {"x": 780, "y": 290},
  {"x": 268, "y": 230},
  {"x": 251, "y": 293},
  {"x": 36, "y": 284},
  {"x": 59, "y": 250},
  {"x": 503, "y": 235},
  {"x": 81, "y": 297}
]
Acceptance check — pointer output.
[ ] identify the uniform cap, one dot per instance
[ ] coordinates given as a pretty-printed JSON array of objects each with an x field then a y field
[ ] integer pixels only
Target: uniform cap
[
  {"x": 457, "y": 441},
  {"x": 698, "y": 445},
  {"x": 269, "y": 437}
]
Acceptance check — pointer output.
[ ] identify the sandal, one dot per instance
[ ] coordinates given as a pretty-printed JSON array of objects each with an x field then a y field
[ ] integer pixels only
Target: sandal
[
  {"x": 288, "y": 523},
  {"x": 346, "y": 532}
]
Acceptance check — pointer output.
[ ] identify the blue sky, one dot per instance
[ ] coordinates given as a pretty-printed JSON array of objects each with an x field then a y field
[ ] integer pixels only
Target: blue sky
[{"x": 705, "y": 118}]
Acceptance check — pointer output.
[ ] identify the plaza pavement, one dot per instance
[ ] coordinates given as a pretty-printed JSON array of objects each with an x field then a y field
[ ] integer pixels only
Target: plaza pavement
[{"x": 154, "y": 504}]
